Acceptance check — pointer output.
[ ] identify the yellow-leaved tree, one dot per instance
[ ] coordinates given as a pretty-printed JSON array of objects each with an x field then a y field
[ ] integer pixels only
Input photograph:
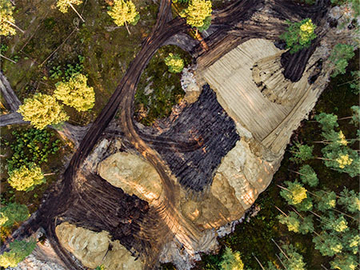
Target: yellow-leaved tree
[
  {"x": 124, "y": 12},
  {"x": 198, "y": 14},
  {"x": 64, "y": 5},
  {"x": 76, "y": 93},
  {"x": 42, "y": 110},
  {"x": 174, "y": 63},
  {"x": 7, "y": 21},
  {"x": 26, "y": 178}
]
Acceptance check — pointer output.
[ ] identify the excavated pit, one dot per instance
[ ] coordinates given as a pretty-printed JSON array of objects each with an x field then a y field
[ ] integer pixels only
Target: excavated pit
[
  {"x": 99, "y": 206},
  {"x": 193, "y": 146}
]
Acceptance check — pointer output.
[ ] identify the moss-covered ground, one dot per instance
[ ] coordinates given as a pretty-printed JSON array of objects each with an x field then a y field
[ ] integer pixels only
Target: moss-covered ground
[
  {"x": 253, "y": 238},
  {"x": 159, "y": 89}
]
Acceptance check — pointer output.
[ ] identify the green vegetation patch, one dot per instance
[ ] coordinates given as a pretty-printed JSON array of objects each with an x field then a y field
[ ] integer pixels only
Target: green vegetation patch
[
  {"x": 31, "y": 146},
  {"x": 159, "y": 90},
  {"x": 25, "y": 147}
]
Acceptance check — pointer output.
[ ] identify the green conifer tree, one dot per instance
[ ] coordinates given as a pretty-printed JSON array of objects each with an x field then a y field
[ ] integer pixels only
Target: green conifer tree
[
  {"x": 325, "y": 200},
  {"x": 328, "y": 244},
  {"x": 19, "y": 250},
  {"x": 339, "y": 57},
  {"x": 308, "y": 176},
  {"x": 351, "y": 241},
  {"x": 344, "y": 262},
  {"x": 291, "y": 221},
  {"x": 299, "y": 35},
  {"x": 356, "y": 115},
  {"x": 231, "y": 260},
  {"x": 294, "y": 193},
  {"x": 11, "y": 213},
  {"x": 307, "y": 225},
  {"x": 350, "y": 200},
  {"x": 328, "y": 121},
  {"x": 301, "y": 152},
  {"x": 334, "y": 224}
]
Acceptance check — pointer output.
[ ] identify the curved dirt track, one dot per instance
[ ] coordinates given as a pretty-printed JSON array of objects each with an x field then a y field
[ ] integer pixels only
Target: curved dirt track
[{"x": 59, "y": 200}]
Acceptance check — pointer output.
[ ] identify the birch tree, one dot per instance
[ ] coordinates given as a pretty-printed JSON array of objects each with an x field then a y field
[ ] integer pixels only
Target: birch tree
[
  {"x": 42, "y": 110},
  {"x": 64, "y": 5},
  {"x": 197, "y": 14},
  {"x": 124, "y": 12},
  {"x": 26, "y": 178},
  {"x": 7, "y": 21},
  {"x": 76, "y": 93}
]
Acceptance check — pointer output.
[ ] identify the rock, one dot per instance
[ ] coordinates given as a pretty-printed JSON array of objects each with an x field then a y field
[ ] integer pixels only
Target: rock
[
  {"x": 32, "y": 263},
  {"x": 93, "y": 249},
  {"x": 132, "y": 174},
  {"x": 246, "y": 173},
  {"x": 188, "y": 81},
  {"x": 89, "y": 247}
]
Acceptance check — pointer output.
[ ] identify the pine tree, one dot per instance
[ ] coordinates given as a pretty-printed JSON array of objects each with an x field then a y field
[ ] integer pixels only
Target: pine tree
[
  {"x": 174, "y": 63},
  {"x": 339, "y": 57},
  {"x": 355, "y": 83},
  {"x": 350, "y": 200},
  {"x": 295, "y": 260},
  {"x": 335, "y": 224},
  {"x": 291, "y": 221},
  {"x": 325, "y": 200},
  {"x": 328, "y": 121},
  {"x": 64, "y": 5},
  {"x": 197, "y": 13},
  {"x": 124, "y": 12},
  {"x": 305, "y": 205},
  {"x": 11, "y": 213},
  {"x": 341, "y": 158},
  {"x": 334, "y": 139},
  {"x": 307, "y": 225},
  {"x": 351, "y": 241},
  {"x": 42, "y": 110},
  {"x": 231, "y": 260},
  {"x": 356, "y": 115},
  {"x": 344, "y": 262},
  {"x": 294, "y": 194},
  {"x": 26, "y": 178},
  {"x": 328, "y": 244},
  {"x": 19, "y": 250},
  {"x": 308, "y": 176},
  {"x": 76, "y": 93},
  {"x": 289, "y": 258},
  {"x": 299, "y": 35},
  {"x": 301, "y": 152},
  {"x": 271, "y": 266}
]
